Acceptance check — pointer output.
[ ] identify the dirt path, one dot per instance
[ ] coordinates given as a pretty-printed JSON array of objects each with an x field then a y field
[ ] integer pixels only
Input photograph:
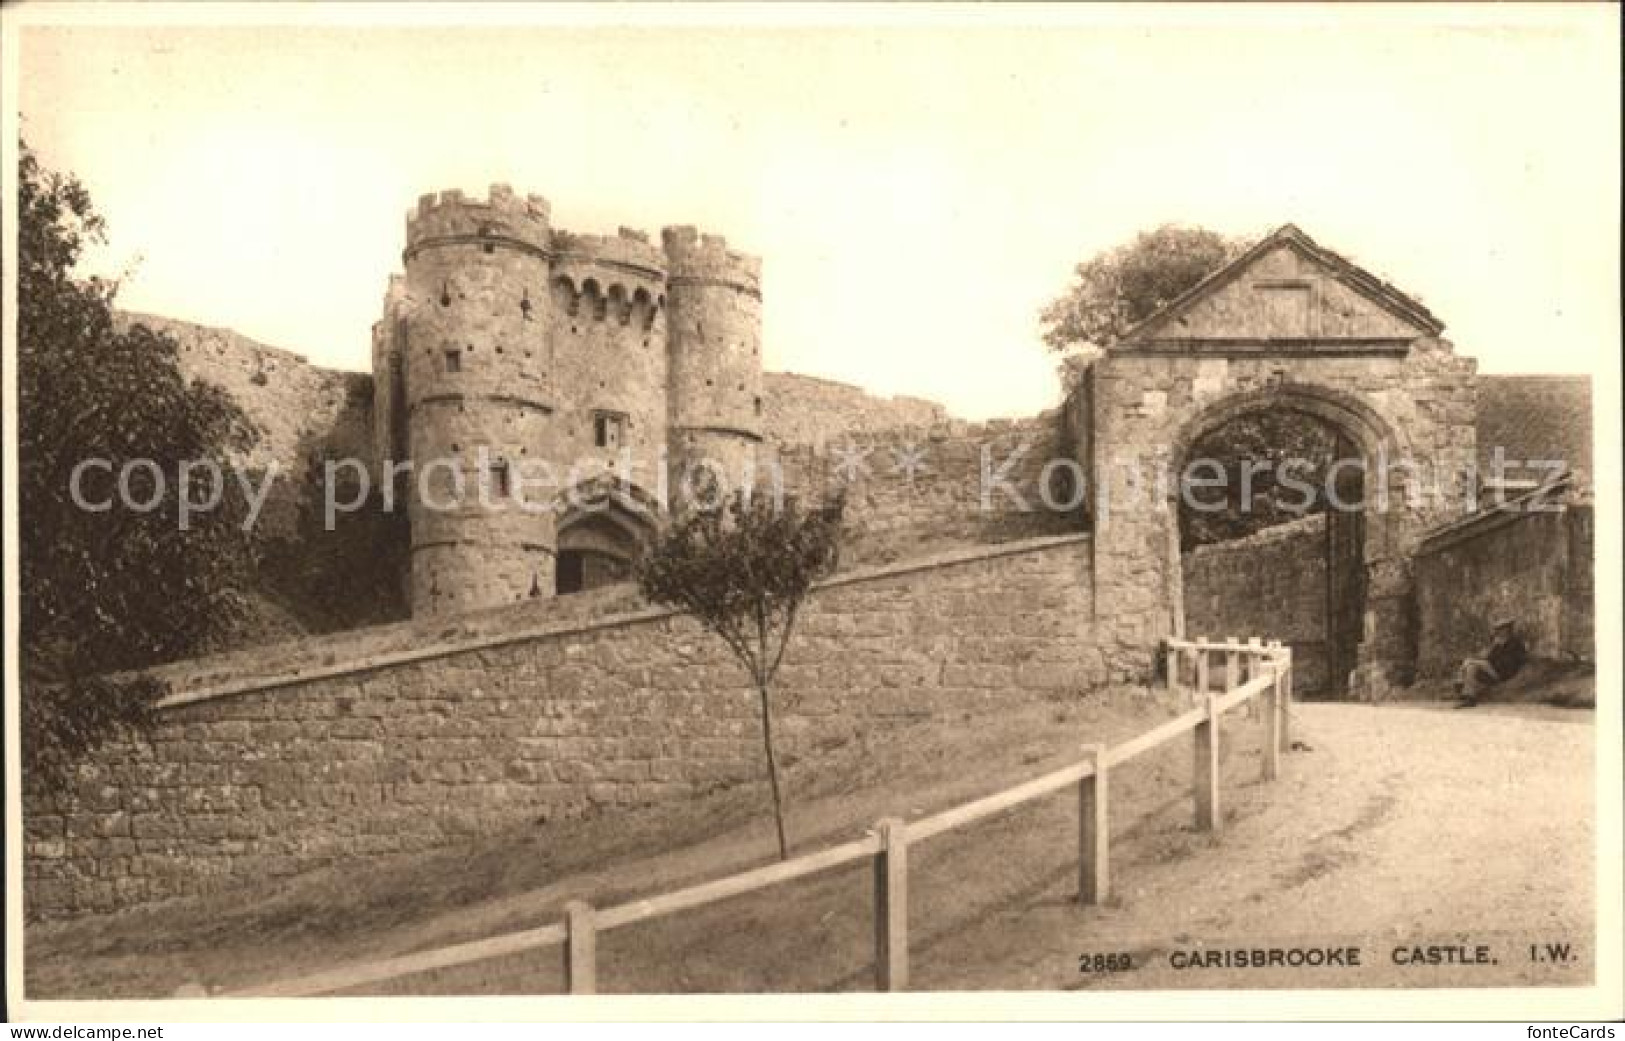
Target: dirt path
[
  {"x": 1403, "y": 827},
  {"x": 1400, "y": 826}
]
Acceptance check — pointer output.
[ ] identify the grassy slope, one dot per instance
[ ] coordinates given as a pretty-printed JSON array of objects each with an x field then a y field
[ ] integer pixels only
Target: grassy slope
[
  {"x": 523, "y": 877},
  {"x": 1386, "y": 826}
]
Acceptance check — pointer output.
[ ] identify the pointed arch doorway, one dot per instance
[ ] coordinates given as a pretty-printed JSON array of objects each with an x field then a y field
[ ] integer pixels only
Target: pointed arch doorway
[{"x": 605, "y": 527}]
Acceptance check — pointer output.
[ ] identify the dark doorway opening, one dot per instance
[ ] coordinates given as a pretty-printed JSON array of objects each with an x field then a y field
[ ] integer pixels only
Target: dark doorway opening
[
  {"x": 569, "y": 572},
  {"x": 601, "y": 539},
  {"x": 582, "y": 569}
]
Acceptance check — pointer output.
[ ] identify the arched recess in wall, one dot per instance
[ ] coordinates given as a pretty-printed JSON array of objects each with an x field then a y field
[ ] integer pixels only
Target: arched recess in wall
[
  {"x": 566, "y": 298},
  {"x": 618, "y": 303},
  {"x": 643, "y": 309},
  {"x": 605, "y": 527},
  {"x": 596, "y": 304},
  {"x": 1366, "y": 546}
]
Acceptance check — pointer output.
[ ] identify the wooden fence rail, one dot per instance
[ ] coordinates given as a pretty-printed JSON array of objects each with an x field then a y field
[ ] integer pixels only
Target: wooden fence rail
[{"x": 1249, "y": 670}]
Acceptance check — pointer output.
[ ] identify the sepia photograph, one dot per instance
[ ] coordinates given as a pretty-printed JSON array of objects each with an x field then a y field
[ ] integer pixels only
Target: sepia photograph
[{"x": 946, "y": 511}]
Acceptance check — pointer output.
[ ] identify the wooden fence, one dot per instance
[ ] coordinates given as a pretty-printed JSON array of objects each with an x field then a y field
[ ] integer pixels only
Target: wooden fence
[
  {"x": 1191, "y": 665},
  {"x": 1248, "y": 670}
]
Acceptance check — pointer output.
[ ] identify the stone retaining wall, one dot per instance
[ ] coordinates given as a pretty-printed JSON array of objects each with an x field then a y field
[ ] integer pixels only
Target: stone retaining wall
[
  {"x": 1272, "y": 582},
  {"x": 1533, "y": 566},
  {"x": 383, "y": 744}
]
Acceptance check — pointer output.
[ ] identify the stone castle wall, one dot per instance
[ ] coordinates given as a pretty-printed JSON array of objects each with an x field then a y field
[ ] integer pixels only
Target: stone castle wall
[
  {"x": 403, "y": 739},
  {"x": 916, "y": 489},
  {"x": 298, "y": 407},
  {"x": 807, "y": 410},
  {"x": 1271, "y": 583},
  {"x": 807, "y": 424}
]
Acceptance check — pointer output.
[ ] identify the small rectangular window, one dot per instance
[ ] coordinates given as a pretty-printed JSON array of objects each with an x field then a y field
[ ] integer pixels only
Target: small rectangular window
[
  {"x": 499, "y": 478},
  {"x": 454, "y": 361},
  {"x": 608, "y": 429}
]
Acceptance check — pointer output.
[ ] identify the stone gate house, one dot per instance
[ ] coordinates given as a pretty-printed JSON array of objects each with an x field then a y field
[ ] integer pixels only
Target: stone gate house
[{"x": 1289, "y": 325}]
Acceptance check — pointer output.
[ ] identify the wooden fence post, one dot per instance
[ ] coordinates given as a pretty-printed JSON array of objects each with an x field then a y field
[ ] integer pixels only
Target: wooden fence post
[
  {"x": 1253, "y": 666},
  {"x": 1286, "y": 707},
  {"x": 1201, "y": 670},
  {"x": 1094, "y": 830},
  {"x": 1272, "y": 722},
  {"x": 1170, "y": 665},
  {"x": 1206, "y": 780},
  {"x": 1232, "y": 669},
  {"x": 891, "y": 906},
  {"x": 1277, "y": 657},
  {"x": 580, "y": 949}
]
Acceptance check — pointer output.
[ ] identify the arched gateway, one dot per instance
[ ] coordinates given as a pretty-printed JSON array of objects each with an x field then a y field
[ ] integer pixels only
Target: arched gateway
[
  {"x": 1287, "y": 326},
  {"x": 605, "y": 526}
]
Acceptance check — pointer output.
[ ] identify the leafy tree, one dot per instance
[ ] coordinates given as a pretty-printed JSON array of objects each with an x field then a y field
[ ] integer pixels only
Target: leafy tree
[
  {"x": 1121, "y": 287},
  {"x": 1290, "y": 456},
  {"x": 743, "y": 571},
  {"x": 104, "y": 591}
]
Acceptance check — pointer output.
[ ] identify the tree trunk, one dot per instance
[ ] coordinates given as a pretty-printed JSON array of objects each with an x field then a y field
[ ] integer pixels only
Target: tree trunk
[{"x": 773, "y": 772}]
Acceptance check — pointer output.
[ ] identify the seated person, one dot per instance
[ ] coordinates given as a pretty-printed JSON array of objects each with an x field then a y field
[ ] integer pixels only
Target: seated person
[{"x": 1505, "y": 656}]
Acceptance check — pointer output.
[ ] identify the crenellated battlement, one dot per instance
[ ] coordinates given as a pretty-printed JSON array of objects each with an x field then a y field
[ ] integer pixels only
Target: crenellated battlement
[
  {"x": 628, "y": 249},
  {"x": 503, "y": 217},
  {"x": 693, "y": 256}
]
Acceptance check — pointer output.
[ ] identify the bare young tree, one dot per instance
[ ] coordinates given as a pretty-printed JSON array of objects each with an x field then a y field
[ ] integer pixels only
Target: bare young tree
[{"x": 743, "y": 570}]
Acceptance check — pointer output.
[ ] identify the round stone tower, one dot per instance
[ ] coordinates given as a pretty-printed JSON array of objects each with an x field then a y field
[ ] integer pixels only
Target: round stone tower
[
  {"x": 480, "y": 393},
  {"x": 714, "y": 324}
]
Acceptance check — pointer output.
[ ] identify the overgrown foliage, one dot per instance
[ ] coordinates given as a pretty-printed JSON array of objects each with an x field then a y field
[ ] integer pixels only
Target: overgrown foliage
[
  {"x": 743, "y": 571},
  {"x": 1116, "y": 290},
  {"x": 104, "y": 591},
  {"x": 344, "y": 576},
  {"x": 1290, "y": 457},
  {"x": 61, "y": 722}
]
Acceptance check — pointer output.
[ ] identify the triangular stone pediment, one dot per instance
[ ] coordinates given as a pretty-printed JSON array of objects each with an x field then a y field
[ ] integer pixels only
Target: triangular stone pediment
[{"x": 1288, "y": 290}]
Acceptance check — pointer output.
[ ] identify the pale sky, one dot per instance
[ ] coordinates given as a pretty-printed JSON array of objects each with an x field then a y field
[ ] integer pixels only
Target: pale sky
[{"x": 917, "y": 192}]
